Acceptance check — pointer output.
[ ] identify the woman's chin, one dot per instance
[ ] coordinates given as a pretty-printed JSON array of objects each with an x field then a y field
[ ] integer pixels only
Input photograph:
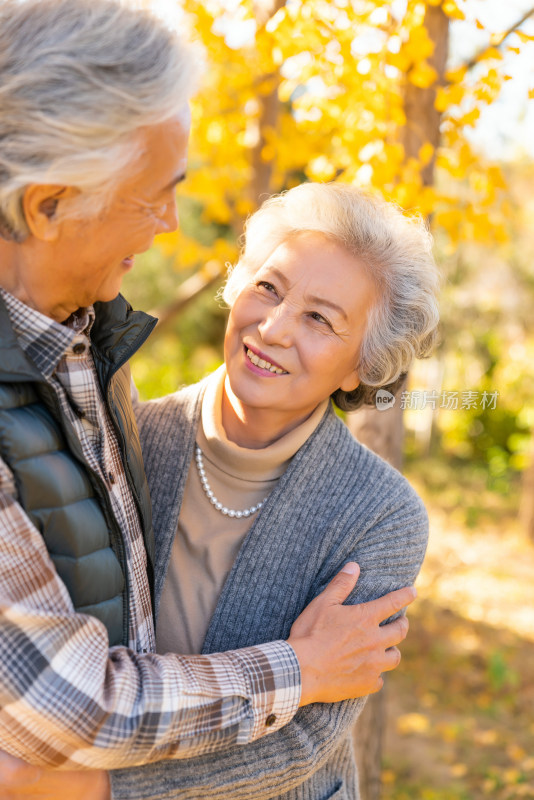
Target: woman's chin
[{"x": 254, "y": 391}]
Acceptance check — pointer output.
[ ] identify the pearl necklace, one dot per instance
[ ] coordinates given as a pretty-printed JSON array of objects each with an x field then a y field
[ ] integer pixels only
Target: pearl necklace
[{"x": 229, "y": 512}]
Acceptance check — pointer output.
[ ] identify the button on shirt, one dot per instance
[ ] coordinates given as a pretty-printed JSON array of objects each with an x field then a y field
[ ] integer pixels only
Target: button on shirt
[
  {"x": 79, "y": 347},
  {"x": 56, "y": 668}
]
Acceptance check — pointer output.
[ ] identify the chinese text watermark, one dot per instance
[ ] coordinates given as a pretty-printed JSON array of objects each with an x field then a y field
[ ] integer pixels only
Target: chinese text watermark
[{"x": 432, "y": 399}]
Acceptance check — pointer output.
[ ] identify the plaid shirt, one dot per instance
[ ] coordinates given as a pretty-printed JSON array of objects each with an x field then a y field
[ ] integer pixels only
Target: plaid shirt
[{"x": 66, "y": 699}]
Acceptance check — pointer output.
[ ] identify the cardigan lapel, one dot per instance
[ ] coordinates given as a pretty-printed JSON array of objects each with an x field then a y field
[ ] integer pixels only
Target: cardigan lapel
[
  {"x": 262, "y": 571},
  {"x": 168, "y": 438},
  {"x": 281, "y": 554}
]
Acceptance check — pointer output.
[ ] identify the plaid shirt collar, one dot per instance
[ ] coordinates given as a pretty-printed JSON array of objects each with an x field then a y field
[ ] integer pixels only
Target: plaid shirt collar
[{"x": 41, "y": 338}]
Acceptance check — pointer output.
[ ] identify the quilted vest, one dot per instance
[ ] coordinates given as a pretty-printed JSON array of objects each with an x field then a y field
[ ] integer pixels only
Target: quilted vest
[{"x": 67, "y": 502}]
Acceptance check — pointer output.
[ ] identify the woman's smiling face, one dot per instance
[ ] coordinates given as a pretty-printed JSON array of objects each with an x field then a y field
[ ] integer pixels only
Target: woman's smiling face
[{"x": 295, "y": 330}]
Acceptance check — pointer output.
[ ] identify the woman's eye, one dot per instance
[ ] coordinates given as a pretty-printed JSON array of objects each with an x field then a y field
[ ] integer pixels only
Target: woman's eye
[
  {"x": 319, "y": 318},
  {"x": 267, "y": 286}
]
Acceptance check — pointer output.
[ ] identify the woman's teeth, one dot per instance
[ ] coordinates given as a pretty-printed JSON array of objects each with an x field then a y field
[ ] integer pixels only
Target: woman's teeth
[{"x": 260, "y": 362}]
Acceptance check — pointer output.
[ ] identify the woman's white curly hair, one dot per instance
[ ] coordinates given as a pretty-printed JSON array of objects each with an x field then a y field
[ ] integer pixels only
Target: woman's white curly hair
[{"x": 397, "y": 251}]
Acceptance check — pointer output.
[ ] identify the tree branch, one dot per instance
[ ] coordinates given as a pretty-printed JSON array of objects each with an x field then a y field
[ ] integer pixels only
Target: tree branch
[
  {"x": 187, "y": 291},
  {"x": 512, "y": 29},
  {"x": 264, "y": 10}
]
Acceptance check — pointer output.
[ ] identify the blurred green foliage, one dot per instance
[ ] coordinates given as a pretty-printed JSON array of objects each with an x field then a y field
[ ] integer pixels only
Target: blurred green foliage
[
  {"x": 190, "y": 347},
  {"x": 487, "y": 345}
]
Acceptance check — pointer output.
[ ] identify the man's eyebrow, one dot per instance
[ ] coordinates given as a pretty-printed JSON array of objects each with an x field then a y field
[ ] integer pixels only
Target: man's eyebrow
[{"x": 175, "y": 181}]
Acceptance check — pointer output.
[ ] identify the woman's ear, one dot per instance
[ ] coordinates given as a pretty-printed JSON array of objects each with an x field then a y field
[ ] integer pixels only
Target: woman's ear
[
  {"x": 351, "y": 382},
  {"x": 41, "y": 204}
]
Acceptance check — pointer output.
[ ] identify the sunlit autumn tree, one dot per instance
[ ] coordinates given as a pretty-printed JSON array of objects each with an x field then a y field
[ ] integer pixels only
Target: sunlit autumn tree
[{"x": 353, "y": 91}]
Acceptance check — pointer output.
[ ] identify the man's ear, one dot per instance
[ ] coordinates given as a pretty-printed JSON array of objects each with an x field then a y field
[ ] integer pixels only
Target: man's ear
[{"x": 41, "y": 204}]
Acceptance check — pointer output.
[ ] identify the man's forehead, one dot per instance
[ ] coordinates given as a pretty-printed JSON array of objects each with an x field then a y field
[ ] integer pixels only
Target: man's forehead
[{"x": 161, "y": 158}]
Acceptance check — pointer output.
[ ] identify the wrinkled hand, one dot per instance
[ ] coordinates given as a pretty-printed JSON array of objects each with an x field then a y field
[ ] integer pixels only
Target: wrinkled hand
[
  {"x": 342, "y": 650},
  {"x": 20, "y": 780}
]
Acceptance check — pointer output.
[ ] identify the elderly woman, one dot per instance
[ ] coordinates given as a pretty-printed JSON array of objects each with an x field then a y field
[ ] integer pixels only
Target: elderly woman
[
  {"x": 260, "y": 492},
  {"x": 94, "y": 125}
]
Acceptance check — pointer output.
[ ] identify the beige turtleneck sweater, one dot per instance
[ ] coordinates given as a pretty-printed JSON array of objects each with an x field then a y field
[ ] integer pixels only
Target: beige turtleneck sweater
[{"x": 207, "y": 542}]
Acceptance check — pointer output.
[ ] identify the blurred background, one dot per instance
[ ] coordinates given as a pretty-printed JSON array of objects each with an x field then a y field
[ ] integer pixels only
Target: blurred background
[{"x": 430, "y": 103}]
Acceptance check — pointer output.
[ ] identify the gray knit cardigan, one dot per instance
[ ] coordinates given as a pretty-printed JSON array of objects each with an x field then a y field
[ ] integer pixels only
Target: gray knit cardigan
[{"x": 336, "y": 502}]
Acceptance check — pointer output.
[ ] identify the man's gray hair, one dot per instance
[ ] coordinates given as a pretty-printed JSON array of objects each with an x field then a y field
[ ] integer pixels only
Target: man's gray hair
[
  {"x": 396, "y": 250},
  {"x": 78, "y": 78}
]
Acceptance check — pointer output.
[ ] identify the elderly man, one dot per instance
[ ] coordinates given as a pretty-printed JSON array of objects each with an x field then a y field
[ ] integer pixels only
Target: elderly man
[{"x": 94, "y": 125}]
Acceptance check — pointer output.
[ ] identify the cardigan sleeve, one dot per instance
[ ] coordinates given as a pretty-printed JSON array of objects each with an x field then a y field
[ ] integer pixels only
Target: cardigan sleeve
[{"x": 390, "y": 552}]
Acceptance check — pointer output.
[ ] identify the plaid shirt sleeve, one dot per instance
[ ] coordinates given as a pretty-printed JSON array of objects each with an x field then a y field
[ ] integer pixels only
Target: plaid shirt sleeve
[{"x": 68, "y": 701}]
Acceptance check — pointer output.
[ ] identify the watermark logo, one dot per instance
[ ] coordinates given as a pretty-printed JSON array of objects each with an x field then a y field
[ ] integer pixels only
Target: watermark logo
[
  {"x": 452, "y": 401},
  {"x": 384, "y": 400}
]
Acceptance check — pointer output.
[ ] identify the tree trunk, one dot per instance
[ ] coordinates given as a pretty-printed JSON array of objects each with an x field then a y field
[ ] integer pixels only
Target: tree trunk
[
  {"x": 368, "y": 736},
  {"x": 382, "y": 431},
  {"x": 527, "y": 499},
  {"x": 422, "y": 118},
  {"x": 260, "y": 184}
]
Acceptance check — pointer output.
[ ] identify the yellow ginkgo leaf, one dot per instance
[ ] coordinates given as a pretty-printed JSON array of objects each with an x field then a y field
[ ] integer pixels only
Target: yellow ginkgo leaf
[
  {"x": 423, "y": 75},
  {"x": 456, "y": 75},
  {"x": 321, "y": 169},
  {"x": 490, "y": 53},
  {"x": 451, "y": 9},
  {"x": 425, "y": 153},
  {"x": 413, "y": 723},
  {"x": 449, "y": 96},
  {"x": 419, "y": 45}
]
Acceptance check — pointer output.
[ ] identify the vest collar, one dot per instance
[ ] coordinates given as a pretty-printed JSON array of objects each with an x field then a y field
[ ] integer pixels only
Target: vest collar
[
  {"x": 14, "y": 364},
  {"x": 117, "y": 333}
]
